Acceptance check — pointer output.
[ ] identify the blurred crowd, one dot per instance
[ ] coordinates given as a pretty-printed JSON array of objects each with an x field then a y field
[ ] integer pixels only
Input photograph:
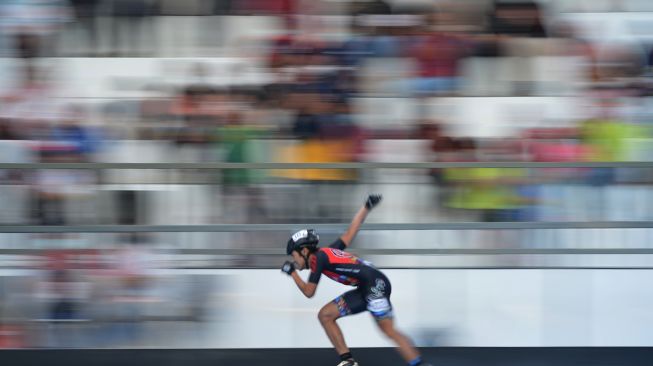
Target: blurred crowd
[
  {"x": 104, "y": 298},
  {"x": 330, "y": 81},
  {"x": 304, "y": 100}
]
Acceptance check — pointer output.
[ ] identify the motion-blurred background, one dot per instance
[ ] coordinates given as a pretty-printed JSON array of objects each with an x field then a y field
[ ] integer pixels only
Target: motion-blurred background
[{"x": 324, "y": 81}]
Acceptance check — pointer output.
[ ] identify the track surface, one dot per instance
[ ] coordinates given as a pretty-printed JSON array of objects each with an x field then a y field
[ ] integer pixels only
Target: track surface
[{"x": 443, "y": 356}]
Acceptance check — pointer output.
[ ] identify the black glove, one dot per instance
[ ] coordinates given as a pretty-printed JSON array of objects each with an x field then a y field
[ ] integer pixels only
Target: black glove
[
  {"x": 288, "y": 268},
  {"x": 372, "y": 200}
]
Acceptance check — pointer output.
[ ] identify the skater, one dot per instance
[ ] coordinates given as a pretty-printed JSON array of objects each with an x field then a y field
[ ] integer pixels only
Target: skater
[{"x": 372, "y": 292}]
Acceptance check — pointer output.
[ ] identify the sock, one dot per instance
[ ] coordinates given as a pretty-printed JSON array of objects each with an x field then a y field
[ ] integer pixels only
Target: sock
[
  {"x": 416, "y": 362},
  {"x": 346, "y": 356}
]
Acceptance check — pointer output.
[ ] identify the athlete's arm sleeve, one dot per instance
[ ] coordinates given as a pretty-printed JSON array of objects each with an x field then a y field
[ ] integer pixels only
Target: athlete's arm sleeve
[
  {"x": 338, "y": 244},
  {"x": 316, "y": 273}
]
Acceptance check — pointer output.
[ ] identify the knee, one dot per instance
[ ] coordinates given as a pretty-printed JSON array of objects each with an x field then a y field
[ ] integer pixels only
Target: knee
[{"x": 325, "y": 316}]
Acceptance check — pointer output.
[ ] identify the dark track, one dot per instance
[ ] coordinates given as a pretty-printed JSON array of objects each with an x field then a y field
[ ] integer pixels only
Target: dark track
[{"x": 444, "y": 356}]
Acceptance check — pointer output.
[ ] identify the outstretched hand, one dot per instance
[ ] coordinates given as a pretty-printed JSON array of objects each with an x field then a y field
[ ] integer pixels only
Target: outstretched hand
[{"x": 372, "y": 201}]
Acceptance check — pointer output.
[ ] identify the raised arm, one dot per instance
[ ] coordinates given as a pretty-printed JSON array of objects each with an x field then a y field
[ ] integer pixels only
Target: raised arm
[{"x": 359, "y": 218}]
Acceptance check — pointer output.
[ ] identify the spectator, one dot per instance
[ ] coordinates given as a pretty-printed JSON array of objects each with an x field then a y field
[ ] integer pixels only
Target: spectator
[
  {"x": 242, "y": 195},
  {"x": 521, "y": 38},
  {"x": 437, "y": 55},
  {"x": 62, "y": 194},
  {"x": 649, "y": 61},
  {"x": 86, "y": 26},
  {"x": 130, "y": 27},
  {"x": 520, "y": 19},
  {"x": 34, "y": 25},
  {"x": 76, "y": 137}
]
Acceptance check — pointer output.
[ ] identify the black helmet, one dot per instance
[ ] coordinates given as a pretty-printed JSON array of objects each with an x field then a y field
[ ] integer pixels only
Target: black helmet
[{"x": 303, "y": 238}]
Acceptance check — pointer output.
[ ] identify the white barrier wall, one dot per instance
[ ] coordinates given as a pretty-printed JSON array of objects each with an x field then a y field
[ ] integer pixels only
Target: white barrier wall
[{"x": 262, "y": 308}]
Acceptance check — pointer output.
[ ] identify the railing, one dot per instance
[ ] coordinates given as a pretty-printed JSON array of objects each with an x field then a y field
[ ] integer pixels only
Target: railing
[
  {"x": 265, "y": 255},
  {"x": 359, "y": 165}
]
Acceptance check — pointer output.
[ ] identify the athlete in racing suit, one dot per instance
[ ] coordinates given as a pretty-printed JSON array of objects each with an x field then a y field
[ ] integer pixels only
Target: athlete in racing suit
[{"x": 372, "y": 287}]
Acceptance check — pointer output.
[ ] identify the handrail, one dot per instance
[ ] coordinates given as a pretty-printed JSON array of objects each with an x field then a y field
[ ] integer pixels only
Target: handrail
[
  {"x": 327, "y": 227},
  {"x": 374, "y": 251},
  {"x": 358, "y": 165}
]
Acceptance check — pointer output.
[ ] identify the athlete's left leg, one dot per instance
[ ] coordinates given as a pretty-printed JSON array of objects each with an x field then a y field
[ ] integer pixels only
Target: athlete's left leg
[
  {"x": 405, "y": 346},
  {"x": 379, "y": 305}
]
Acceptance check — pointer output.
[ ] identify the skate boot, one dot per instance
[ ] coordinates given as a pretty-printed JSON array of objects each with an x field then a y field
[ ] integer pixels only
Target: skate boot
[{"x": 349, "y": 362}]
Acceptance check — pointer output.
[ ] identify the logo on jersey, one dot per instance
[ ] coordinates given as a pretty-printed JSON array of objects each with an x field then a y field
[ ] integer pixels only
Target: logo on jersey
[
  {"x": 341, "y": 257},
  {"x": 341, "y": 254}
]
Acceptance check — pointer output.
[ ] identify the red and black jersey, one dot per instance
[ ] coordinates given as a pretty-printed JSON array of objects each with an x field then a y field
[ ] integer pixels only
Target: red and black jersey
[{"x": 341, "y": 266}]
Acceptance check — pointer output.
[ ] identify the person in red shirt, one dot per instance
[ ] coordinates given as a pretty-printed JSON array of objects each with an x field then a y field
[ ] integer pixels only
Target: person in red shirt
[
  {"x": 437, "y": 56},
  {"x": 372, "y": 288}
]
